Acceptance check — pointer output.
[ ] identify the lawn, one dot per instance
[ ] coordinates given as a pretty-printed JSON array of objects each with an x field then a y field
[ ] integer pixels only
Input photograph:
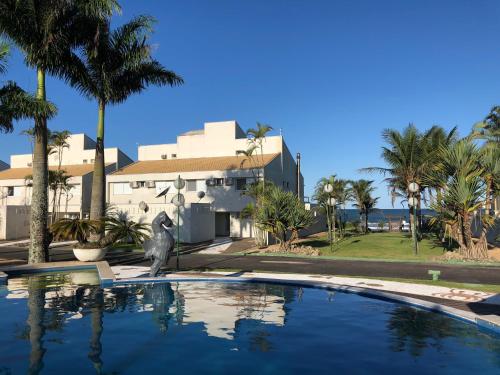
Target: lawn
[{"x": 390, "y": 246}]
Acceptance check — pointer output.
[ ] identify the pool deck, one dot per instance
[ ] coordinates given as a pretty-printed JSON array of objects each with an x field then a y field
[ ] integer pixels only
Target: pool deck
[{"x": 474, "y": 306}]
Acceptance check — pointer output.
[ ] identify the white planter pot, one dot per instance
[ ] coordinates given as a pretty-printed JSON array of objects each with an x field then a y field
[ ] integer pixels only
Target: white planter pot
[{"x": 90, "y": 255}]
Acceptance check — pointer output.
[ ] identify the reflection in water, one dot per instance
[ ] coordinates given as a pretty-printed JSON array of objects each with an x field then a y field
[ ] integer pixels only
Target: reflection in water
[
  {"x": 36, "y": 302},
  {"x": 254, "y": 316},
  {"x": 414, "y": 331}
]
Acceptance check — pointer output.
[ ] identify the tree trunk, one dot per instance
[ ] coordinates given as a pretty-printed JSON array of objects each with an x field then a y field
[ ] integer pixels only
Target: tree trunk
[
  {"x": 98, "y": 201},
  {"x": 366, "y": 222},
  {"x": 39, "y": 236},
  {"x": 96, "y": 323}
]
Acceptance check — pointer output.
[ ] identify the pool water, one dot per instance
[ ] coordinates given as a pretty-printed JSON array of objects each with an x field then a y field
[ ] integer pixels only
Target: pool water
[{"x": 51, "y": 324}]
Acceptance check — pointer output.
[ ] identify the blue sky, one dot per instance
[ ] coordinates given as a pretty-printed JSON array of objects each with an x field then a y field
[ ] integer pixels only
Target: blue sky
[{"x": 331, "y": 74}]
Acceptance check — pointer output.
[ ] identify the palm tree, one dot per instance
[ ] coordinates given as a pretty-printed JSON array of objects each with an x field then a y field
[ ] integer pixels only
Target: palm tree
[
  {"x": 363, "y": 201},
  {"x": 465, "y": 193},
  {"x": 322, "y": 198},
  {"x": 489, "y": 128},
  {"x": 257, "y": 136},
  {"x": 115, "y": 65},
  {"x": 410, "y": 155},
  {"x": 46, "y": 32},
  {"x": 59, "y": 140}
]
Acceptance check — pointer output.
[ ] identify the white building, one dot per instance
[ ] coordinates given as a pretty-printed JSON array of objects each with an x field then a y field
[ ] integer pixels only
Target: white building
[
  {"x": 215, "y": 177},
  {"x": 77, "y": 162}
]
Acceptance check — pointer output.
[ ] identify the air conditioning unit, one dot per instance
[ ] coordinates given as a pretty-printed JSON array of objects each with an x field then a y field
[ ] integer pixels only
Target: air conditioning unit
[
  {"x": 150, "y": 184},
  {"x": 228, "y": 181},
  {"x": 134, "y": 184},
  {"x": 163, "y": 156},
  {"x": 210, "y": 182}
]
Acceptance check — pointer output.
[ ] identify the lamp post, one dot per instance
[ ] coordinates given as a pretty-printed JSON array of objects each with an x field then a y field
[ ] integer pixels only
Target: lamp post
[
  {"x": 332, "y": 202},
  {"x": 413, "y": 189},
  {"x": 328, "y": 189},
  {"x": 178, "y": 202}
]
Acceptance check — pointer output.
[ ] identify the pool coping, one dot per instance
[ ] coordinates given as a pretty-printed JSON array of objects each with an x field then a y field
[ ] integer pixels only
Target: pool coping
[
  {"x": 108, "y": 278},
  {"x": 106, "y": 274}
]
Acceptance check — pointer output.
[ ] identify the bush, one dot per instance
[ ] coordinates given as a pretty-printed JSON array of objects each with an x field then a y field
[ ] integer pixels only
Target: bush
[{"x": 283, "y": 215}]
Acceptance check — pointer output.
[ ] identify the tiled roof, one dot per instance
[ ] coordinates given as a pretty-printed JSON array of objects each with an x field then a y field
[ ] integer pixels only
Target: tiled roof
[
  {"x": 71, "y": 170},
  {"x": 221, "y": 163}
]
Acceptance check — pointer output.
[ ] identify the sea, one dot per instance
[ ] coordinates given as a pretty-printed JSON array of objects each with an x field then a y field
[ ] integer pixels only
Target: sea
[{"x": 384, "y": 214}]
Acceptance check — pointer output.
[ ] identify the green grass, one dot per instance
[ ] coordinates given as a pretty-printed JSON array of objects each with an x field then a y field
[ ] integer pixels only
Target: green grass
[{"x": 393, "y": 246}]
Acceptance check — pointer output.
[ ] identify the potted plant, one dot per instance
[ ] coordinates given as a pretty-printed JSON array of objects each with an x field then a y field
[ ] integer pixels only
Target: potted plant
[{"x": 79, "y": 230}]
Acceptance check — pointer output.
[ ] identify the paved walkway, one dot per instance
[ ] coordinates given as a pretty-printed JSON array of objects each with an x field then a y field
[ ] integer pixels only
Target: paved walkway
[{"x": 190, "y": 260}]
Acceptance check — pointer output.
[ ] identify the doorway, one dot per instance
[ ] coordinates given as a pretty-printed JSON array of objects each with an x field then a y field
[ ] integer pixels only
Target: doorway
[{"x": 222, "y": 224}]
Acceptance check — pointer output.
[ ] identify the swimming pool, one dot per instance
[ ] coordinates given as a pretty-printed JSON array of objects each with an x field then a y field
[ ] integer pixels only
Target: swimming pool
[{"x": 63, "y": 323}]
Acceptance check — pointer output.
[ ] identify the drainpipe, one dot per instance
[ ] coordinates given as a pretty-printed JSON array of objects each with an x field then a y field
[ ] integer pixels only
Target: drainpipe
[{"x": 298, "y": 175}]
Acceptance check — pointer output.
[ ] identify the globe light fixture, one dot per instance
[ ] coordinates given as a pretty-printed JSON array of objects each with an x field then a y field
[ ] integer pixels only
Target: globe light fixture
[
  {"x": 328, "y": 188},
  {"x": 332, "y": 201},
  {"x": 413, "y": 187},
  {"x": 412, "y": 201}
]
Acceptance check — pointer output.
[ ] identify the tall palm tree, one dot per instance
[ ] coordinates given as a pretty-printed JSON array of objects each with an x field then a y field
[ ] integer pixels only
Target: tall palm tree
[
  {"x": 46, "y": 32},
  {"x": 410, "y": 154},
  {"x": 59, "y": 140},
  {"x": 116, "y": 64},
  {"x": 362, "y": 195},
  {"x": 257, "y": 136}
]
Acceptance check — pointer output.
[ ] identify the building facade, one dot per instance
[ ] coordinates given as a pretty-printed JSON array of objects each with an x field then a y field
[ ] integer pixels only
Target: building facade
[
  {"x": 216, "y": 177},
  {"x": 77, "y": 161}
]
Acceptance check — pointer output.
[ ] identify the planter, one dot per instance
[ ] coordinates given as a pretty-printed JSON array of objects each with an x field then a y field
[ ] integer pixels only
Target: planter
[{"x": 90, "y": 255}]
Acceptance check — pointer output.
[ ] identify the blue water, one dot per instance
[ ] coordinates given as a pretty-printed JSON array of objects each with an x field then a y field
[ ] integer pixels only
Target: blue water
[
  {"x": 226, "y": 328},
  {"x": 392, "y": 214}
]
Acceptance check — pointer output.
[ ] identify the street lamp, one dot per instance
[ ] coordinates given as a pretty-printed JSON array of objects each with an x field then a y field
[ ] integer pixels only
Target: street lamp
[
  {"x": 413, "y": 189},
  {"x": 178, "y": 202},
  {"x": 328, "y": 189}
]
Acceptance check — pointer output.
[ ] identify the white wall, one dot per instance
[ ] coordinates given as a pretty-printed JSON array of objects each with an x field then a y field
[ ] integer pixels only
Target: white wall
[
  {"x": 14, "y": 222},
  {"x": 197, "y": 221},
  {"x": 215, "y": 139},
  {"x": 81, "y": 150}
]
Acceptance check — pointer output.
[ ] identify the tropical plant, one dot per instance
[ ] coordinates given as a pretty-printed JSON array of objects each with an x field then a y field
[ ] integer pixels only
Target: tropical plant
[
  {"x": 257, "y": 137},
  {"x": 362, "y": 196},
  {"x": 342, "y": 193},
  {"x": 75, "y": 229},
  {"x": 120, "y": 228},
  {"x": 463, "y": 195},
  {"x": 283, "y": 215},
  {"x": 59, "y": 141},
  {"x": 116, "y": 64},
  {"x": 410, "y": 155},
  {"x": 489, "y": 128},
  {"x": 46, "y": 32}
]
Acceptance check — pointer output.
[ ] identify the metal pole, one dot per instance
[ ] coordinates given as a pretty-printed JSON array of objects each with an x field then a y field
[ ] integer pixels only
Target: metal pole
[
  {"x": 178, "y": 229},
  {"x": 415, "y": 245},
  {"x": 334, "y": 224}
]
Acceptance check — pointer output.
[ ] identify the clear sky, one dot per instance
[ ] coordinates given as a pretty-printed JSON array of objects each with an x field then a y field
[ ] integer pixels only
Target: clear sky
[{"x": 331, "y": 73}]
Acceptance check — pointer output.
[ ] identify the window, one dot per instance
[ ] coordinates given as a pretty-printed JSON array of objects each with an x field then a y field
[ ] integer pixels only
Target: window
[
  {"x": 241, "y": 184},
  {"x": 14, "y": 191},
  {"x": 121, "y": 188},
  {"x": 84, "y": 161},
  {"x": 190, "y": 185},
  {"x": 219, "y": 181}
]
